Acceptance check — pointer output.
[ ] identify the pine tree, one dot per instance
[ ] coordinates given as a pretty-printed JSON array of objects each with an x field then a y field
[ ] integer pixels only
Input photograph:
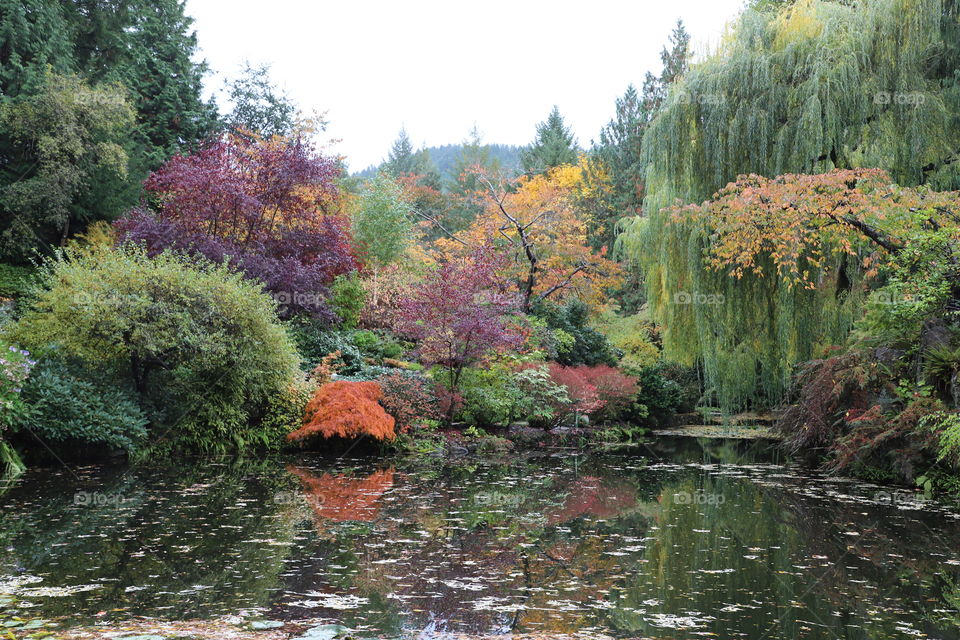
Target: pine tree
[
  {"x": 258, "y": 105},
  {"x": 553, "y": 146},
  {"x": 148, "y": 46},
  {"x": 401, "y": 158},
  {"x": 33, "y": 35},
  {"x": 165, "y": 81}
]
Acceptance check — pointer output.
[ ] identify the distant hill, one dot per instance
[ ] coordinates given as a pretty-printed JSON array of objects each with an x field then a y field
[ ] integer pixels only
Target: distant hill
[{"x": 445, "y": 157}]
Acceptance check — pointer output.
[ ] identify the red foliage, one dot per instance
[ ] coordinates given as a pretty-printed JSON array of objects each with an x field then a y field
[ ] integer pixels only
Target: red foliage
[
  {"x": 348, "y": 410},
  {"x": 408, "y": 399},
  {"x": 589, "y": 497},
  {"x": 268, "y": 208},
  {"x": 615, "y": 388},
  {"x": 595, "y": 391},
  {"x": 583, "y": 394},
  {"x": 459, "y": 314}
]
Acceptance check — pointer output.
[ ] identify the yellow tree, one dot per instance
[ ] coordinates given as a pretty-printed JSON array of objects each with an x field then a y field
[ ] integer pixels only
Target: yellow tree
[{"x": 536, "y": 219}]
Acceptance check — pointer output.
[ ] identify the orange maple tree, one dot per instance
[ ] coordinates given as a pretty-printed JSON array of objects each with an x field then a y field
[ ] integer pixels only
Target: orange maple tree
[
  {"x": 798, "y": 220},
  {"x": 348, "y": 410},
  {"x": 537, "y": 220}
]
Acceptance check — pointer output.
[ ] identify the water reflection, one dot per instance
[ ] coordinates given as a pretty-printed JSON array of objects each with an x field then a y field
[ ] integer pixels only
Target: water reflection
[
  {"x": 701, "y": 539},
  {"x": 343, "y": 498}
]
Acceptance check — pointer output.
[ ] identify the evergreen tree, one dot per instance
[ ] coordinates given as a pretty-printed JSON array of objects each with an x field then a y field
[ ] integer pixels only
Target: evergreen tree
[
  {"x": 401, "y": 158},
  {"x": 64, "y": 139},
  {"x": 148, "y": 46},
  {"x": 33, "y": 35},
  {"x": 473, "y": 159},
  {"x": 258, "y": 105},
  {"x": 404, "y": 161},
  {"x": 553, "y": 146},
  {"x": 473, "y": 153},
  {"x": 165, "y": 81}
]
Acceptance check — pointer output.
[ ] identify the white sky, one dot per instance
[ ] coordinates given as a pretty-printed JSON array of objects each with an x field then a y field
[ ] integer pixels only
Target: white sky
[{"x": 438, "y": 66}]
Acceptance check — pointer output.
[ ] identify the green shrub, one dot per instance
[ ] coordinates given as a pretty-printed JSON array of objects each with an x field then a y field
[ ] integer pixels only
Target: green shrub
[
  {"x": 488, "y": 400},
  {"x": 577, "y": 343},
  {"x": 347, "y": 298},
  {"x": 665, "y": 389},
  {"x": 201, "y": 346},
  {"x": 541, "y": 400},
  {"x": 499, "y": 396},
  {"x": 315, "y": 341},
  {"x": 67, "y": 405},
  {"x": 16, "y": 281},
  {"x": 357, "y": 348},
  {"x": 284, "y": 412}
]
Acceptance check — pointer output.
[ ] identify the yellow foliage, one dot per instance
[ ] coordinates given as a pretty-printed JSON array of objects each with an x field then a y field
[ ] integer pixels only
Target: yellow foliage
[
  {"x": 797, "y": 22},
  {"x": 555, "y": 230},
  {"x": 635, "y": 335}
]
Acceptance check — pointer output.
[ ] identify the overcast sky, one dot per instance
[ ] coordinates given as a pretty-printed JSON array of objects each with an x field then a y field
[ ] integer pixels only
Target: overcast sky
[{"x": 439, "y": 66}]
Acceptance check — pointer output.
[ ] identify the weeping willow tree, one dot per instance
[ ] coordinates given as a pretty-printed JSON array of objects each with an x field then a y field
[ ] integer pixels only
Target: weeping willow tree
[{"x": 806, "y": 88}]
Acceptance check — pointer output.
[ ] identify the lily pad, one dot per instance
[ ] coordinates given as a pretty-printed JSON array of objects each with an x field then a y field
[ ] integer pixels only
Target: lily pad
[
  {"x": 146, "y": 637},
  {"x": 35, "y": 624},
  {"x": 12, "y": 623}
]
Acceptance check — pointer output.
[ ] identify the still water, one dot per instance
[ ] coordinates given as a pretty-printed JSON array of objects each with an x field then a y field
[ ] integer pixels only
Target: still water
[{"x": 686, "y": 539}]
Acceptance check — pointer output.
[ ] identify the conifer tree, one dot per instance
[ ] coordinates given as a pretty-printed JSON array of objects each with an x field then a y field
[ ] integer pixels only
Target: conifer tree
[
  {"x": 258, "y": 105},
  {"x": 33, "y": 35},
  {"x": 553, "y": 146}
]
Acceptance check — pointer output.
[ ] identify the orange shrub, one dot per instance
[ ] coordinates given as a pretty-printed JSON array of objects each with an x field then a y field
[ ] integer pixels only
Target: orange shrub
[{"x": 348, "y": 410}]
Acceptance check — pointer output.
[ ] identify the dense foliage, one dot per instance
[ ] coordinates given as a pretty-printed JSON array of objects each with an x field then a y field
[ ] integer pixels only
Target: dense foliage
[
  {"x": 265, "y": 207},
  {"x": 200, "y": 346},
  {"x": 347, "y": 410}
]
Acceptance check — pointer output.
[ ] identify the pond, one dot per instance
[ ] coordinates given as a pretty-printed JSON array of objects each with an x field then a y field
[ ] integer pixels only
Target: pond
[{"x": 682, "y": 539}]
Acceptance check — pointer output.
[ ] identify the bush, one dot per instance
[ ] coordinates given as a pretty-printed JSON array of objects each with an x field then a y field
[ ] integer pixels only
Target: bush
[
  {"x": 315, "y": 341},
  {"x": 284, "y": 411},
  {"x": 601, "y": 392},
  {"x": 665, "y": 390},
  {"x": 357, "y": 349},
  {"x": 488, "y": 401},
  {"x": 634, "y": 336},
  {"x": 200, "y": 345},
  {"x": 347, "y": 297},
  {"x": 347, "y": 410},
  {"x": 65, "y": 405},
  {"x": 16, "y": 281},
  {"x": 408, "y": 398},
  {"x": 578, "y": 343},
  {"x": 541, "y": 399},
  {"x": 15, "y": 366}
]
